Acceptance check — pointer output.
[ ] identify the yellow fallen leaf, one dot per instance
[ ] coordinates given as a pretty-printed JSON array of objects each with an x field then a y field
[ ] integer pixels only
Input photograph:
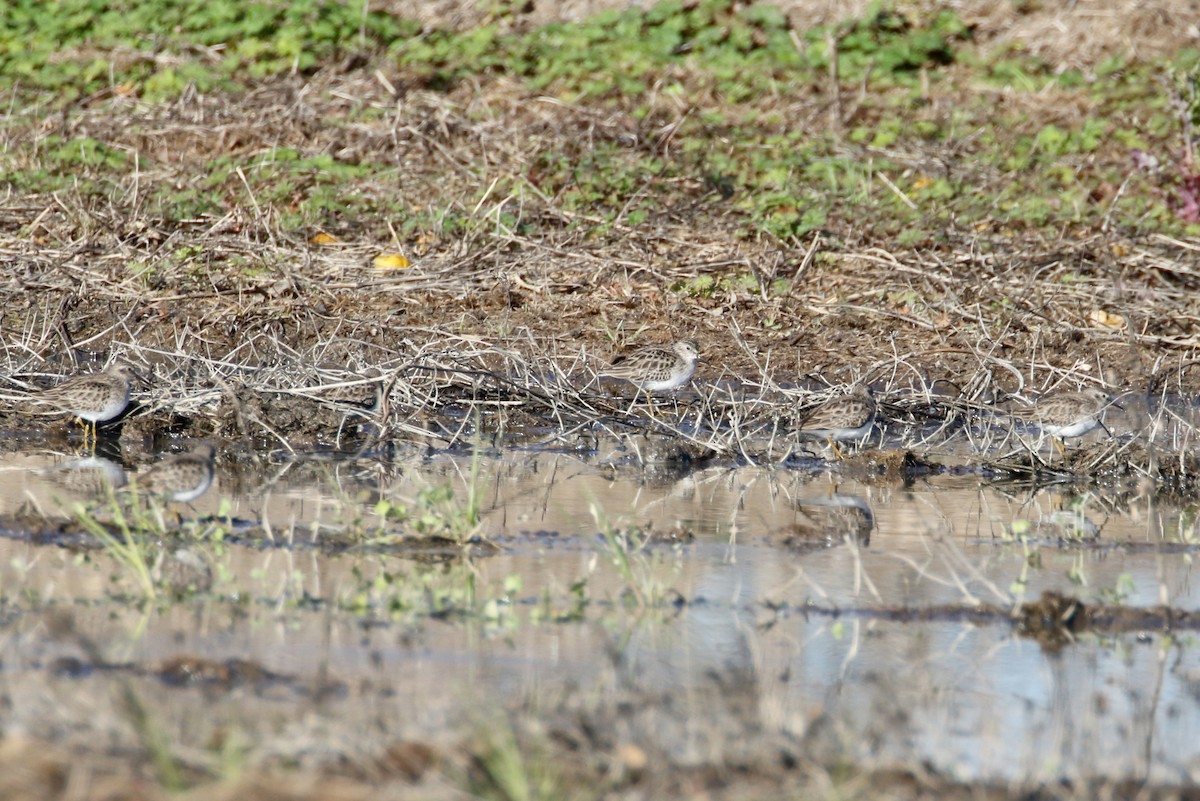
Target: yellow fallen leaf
[
  {"x": 389, "y": 261},
  {"x": 632, "y": 757},
  {"x": 1119, "y": 249},
  {"x": 323, "y": 239},
  {"x": 1106, "y": 319},
  {"x": 922, "y": 182}
]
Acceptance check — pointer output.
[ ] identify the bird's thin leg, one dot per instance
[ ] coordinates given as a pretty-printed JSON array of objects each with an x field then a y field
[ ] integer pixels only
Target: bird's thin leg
[{"x": 86, "y": 436}]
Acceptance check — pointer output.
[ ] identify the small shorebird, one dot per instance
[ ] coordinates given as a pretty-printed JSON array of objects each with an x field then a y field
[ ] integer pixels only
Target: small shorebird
[
  {"x": 182, "y": 477},
  {"x": 354, "y": 393},
  {"x": 94, "y": 398},
  {"x": 656, "y": 368},
  {"x": 359, "y": 395},
  {"x": 1072, "y": 413},
  {"x": 849, "y": 417}
]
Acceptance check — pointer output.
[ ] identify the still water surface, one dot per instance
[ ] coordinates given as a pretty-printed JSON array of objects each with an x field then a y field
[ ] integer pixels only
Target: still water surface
[{"x": 748, "y": 549}]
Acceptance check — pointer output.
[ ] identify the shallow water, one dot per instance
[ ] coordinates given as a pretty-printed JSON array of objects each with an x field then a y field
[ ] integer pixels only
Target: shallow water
[{"x": 778, "y": 582}]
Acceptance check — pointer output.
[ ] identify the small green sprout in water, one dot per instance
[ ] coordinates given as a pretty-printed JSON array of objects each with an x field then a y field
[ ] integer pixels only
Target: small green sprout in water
[
  {"x": 1076, "y": 574},
  {"x": 546, "y": 609},
  {"x": 130, "y": 546},
  {"x": 1120, "y": 592},
  {"x": 1074, "y": 521},
  {"x": 626, "y": 551},
  {"x": 1019, "y": 529},
  {"x": 436, "y": 512},
  {"x": 391, "y": 511}
]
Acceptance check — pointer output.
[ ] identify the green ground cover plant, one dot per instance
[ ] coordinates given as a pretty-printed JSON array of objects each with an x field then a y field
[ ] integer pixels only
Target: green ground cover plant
[
  {"x": 711, "y": 91},
  {"x": 79, "y": 46}
]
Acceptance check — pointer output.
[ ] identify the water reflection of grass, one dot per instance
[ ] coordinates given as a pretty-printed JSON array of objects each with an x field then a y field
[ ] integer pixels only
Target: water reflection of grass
[
  {"x": 440, "y": 580},
  {"x": 436, "y": 514},
  {"x": 445, "y": 591},
  {"x": 132, "y": 529},
  {"x": 129, "y": 547},
  {"x": 626, "y": 549}
]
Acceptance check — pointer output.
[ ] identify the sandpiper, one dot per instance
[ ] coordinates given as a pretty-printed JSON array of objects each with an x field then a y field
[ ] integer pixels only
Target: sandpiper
[
  {"x": 1070, "y": 413},
  {"x": 94, "y": 398},
  {"x": 182, "y": 477},
  {"x": 656, "y": 368},
  {"x": 848, "y": 417}
]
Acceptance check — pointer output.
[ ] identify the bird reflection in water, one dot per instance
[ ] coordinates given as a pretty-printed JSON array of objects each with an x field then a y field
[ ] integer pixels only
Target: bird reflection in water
[{"x": 828, "y": 520}]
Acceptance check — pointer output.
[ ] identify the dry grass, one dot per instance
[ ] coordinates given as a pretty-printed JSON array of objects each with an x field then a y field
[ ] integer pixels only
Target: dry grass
[
  {"x": 498, "y": 320},
  {"x": 275, "y": 364}
]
